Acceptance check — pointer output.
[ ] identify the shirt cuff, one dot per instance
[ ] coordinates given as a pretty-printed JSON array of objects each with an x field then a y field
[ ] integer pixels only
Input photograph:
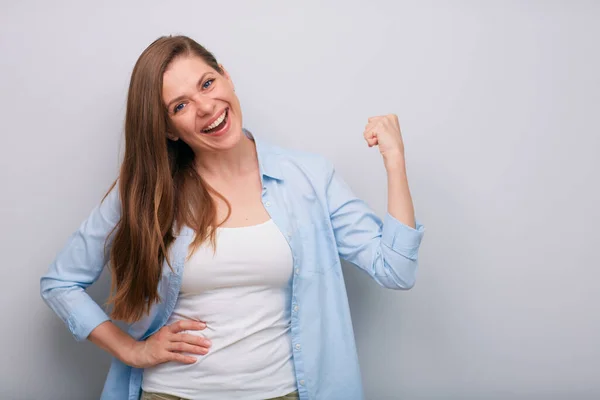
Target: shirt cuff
[
  {"x": 85, "y": 319},
  {"x": 402, "y": 238}
]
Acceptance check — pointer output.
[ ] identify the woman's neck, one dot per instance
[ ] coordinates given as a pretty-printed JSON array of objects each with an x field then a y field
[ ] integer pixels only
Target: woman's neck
[{"x": 229, "y": 164}]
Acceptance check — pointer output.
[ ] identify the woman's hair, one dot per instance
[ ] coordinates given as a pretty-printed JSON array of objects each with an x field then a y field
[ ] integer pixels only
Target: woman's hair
[{"x": 160, "y": 190}]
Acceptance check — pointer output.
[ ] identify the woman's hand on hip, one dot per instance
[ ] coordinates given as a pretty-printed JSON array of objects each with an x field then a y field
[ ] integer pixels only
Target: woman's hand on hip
[{"x": 168, "y": 344}]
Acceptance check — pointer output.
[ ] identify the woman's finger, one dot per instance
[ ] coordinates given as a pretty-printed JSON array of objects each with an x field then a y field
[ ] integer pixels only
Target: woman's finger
[
  {"x": 371, "y": 126},
  {"x": 181, "y": 358},
  {"x": 191, "y": 339},
  {"x": 369, "y": 132},
  {"x": 181, "y": 347},
  {"x": 372, "y": 141},
  {"x": 186, "y": 325},
  {"x": 373, "y": 119}
]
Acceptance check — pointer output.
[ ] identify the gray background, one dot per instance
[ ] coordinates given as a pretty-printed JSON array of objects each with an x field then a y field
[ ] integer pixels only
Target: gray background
[{"x": 499, "y": 106}]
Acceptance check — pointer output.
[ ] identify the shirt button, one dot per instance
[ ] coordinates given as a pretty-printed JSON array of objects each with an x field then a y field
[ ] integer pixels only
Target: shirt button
[
  {"x": 268, "y": 204},
  {"x": 301, "y": 382},
  {"x": 295, "y": 308},
  {"x": 297, "y": 270},
  {"x": 297, "y": 347}
]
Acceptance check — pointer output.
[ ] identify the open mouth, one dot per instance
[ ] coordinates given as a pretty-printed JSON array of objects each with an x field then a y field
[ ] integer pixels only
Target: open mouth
[{"x": 218, "y": 124}]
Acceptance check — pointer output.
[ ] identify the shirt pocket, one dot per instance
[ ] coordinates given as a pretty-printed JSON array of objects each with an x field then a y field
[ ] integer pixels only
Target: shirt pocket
[{"x": 319, "y": 249}]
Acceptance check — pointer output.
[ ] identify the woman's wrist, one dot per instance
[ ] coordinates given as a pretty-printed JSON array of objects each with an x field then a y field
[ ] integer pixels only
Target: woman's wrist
[
  {"x": 394, "y": 162},
  {"x": 119, "y": 344},
  {"x": 126, "y": 353}
]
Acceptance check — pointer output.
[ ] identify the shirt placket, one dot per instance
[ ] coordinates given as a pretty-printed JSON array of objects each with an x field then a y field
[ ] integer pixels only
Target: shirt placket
[{"x": 283, "y": 218}]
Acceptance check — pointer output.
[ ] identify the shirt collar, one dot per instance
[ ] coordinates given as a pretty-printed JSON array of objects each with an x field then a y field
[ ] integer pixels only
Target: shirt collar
[{"x": 268, "y": 162}]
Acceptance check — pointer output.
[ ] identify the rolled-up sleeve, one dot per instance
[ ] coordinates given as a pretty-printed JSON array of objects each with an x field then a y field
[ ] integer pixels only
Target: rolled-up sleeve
[
  {"x": 386, "y": 250},
  {"x": 402, "y": 238},
  {"x": 77, "y": 266}
]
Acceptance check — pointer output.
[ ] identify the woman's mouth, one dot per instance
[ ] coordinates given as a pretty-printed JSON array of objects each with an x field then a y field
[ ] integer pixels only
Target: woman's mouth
[{"x": 218, "y": 124}]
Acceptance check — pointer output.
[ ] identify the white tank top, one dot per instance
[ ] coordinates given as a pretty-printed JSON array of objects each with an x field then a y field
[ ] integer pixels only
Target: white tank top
[{"x": 243, "y": 293}]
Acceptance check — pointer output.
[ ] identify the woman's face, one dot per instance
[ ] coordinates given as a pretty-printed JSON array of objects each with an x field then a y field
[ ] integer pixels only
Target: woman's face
[{"x": 202, "y": 105}]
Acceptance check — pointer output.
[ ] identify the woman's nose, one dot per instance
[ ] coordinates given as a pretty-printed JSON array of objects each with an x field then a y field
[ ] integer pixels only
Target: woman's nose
[{"x": 204, "y": 105}]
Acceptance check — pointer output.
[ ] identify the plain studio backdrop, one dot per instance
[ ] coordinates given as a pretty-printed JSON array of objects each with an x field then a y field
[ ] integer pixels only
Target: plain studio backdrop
[{"x": 498, "y": 103}]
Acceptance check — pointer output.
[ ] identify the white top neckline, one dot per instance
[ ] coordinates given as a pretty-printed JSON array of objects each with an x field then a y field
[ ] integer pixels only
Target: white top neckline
[{"x": 270, "y": 220}]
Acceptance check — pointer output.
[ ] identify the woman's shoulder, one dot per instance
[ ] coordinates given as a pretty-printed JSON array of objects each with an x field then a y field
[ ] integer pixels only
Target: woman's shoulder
[
  {"x": 110, "y": 205},
  {"x": 289, "y": 160}
]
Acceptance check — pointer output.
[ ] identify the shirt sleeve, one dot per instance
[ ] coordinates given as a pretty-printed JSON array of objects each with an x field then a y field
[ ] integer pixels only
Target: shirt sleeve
[
  {"x": 386, "y": 250},
  {"x": 77, "y": 266}
]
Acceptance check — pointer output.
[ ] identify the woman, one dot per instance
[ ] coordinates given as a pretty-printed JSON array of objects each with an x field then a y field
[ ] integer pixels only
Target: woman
[{"x": 225, "y": 250}]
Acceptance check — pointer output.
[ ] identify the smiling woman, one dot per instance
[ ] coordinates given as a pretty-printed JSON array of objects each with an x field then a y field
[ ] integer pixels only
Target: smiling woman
[
  {"x": 206, "y": 104},
  {"x": 225, "y": 250}
]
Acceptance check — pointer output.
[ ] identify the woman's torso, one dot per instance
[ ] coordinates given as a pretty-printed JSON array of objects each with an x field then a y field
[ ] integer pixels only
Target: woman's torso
[
  {"x": 324, "y": 354},
  {"x": 242, "y": 291}
]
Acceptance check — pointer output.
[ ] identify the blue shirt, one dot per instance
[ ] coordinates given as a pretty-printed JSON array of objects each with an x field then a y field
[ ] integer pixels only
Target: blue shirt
[{"x": 321, "y": 219}]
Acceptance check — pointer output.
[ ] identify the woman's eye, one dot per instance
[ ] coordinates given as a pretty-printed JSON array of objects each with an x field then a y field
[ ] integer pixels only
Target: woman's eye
[
  {"x": 207, "y": 83},
  {"x": 178, "y": 107}
]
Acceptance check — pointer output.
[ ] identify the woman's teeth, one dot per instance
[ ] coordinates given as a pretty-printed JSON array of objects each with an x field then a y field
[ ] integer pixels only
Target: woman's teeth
[{"x": 217, "y": 122}]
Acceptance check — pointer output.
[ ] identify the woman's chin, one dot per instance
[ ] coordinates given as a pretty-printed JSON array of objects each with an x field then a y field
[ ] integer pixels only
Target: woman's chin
[{"x": 225, "y": 140}]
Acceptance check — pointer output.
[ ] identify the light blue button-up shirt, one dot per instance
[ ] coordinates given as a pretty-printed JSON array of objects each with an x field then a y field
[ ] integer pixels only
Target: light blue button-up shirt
[{"x": 321, "y": 219}]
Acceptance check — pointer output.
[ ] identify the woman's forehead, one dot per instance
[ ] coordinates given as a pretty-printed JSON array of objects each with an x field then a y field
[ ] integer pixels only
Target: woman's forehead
[{"x": 182, "y": 74}]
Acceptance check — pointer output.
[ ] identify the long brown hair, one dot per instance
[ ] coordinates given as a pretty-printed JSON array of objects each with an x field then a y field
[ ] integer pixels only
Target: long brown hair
[{"x": 159, "y": 187}]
